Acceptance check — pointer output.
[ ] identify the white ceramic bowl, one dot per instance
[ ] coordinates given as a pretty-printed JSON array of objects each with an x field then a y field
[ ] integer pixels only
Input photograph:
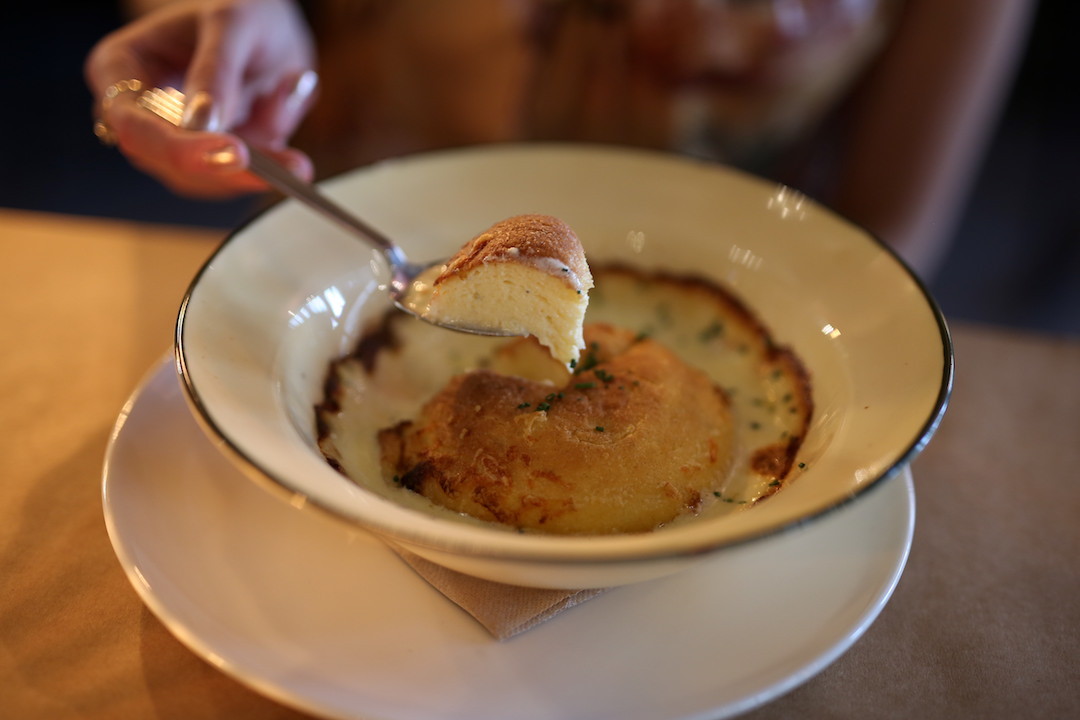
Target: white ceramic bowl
[{"x": 289, "y": 292}]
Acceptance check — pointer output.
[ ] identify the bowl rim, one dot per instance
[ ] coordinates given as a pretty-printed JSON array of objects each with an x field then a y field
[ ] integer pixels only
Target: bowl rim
[{"x": 577, "y": 550}]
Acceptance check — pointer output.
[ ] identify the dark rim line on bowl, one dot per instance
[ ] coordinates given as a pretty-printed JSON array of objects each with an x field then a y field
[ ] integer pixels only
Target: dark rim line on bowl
[{"x": 279, "y": 486}]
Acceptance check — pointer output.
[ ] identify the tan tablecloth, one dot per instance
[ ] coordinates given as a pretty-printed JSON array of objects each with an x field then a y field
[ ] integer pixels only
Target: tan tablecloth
[{"x": 984, "y": 624}]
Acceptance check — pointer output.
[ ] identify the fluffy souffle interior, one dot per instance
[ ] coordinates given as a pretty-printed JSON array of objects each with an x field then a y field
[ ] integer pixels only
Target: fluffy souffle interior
[{"x": 526, "y": 275}]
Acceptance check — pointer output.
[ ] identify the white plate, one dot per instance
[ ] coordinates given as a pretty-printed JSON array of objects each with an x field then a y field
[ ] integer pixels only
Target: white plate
[{"x": 326, "y": 619}]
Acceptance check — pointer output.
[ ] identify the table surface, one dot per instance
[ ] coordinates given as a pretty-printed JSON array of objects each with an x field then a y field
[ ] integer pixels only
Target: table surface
[{"x": 985, "y": 621}]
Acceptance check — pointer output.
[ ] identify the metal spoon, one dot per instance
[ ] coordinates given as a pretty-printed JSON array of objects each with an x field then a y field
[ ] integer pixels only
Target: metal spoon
[{"x": 410, "y": 284}]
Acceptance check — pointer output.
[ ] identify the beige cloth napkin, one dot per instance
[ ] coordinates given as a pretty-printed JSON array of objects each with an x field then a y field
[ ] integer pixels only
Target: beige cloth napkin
[{"x": 504, "y": 610}]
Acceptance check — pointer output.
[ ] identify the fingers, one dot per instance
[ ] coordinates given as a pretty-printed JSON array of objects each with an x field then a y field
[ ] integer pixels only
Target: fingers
[
  {"x": 195, "y": 163},
  {"x": 298, "y": 163},
  {"x": 244, "y": 67},
  {"x": 213, "y": 81},
  {"x": 252, "y": 65},
  {"x": 190, "y": 163},
  {"x": 275, "y": 117}
]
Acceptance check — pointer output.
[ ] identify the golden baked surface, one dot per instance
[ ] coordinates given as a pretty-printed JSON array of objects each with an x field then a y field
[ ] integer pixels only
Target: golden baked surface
[
  {"x": 630, "y": 442},
  {"x": 525, "y": 239}
]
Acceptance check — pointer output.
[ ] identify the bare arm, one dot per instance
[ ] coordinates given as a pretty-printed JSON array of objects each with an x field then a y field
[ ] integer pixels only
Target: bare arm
[{"x": 923, "y": 119}]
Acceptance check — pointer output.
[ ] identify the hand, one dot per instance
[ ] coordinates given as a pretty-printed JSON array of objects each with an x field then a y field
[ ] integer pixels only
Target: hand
[{"x": 246, "y": 67}]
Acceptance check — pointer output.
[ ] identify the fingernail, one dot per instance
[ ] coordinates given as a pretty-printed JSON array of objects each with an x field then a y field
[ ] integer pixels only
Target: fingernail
[
  {"x": 305, "y": 84},
  {"x": 223, "y": 158},
  {"x": 200, "y": 113}
]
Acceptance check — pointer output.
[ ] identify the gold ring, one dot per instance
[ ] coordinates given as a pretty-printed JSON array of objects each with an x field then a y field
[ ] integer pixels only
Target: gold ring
[{"x": 102, "y": 130}]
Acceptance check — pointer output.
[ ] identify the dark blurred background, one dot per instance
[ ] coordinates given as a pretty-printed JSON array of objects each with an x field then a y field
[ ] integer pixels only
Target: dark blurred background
[{"x": 1015, "y": 260}]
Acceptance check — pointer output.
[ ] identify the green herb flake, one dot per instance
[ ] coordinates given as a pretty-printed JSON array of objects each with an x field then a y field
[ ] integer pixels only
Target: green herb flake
[
  {"x": 589, "y": 361},
  {"x": 714, "y": 330},
  {"x": 755, "y": 425},
  {"x": 543, "y": 407},
  {"x": 663, "y": 315},
  {"x": 585, "y": 385},
  {"x": 603, "y": 375},
  {"x": 774, "y": 483},
  {"x": 802, "y": 466},
  {"x": 599, "y": 428},
  {"x": 523, "y": 405},
  {"x": 733, "y": 501}
]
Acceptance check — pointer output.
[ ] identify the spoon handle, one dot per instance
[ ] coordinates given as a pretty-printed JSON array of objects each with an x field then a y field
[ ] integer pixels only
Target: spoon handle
[{"x": 288, "y": 184}]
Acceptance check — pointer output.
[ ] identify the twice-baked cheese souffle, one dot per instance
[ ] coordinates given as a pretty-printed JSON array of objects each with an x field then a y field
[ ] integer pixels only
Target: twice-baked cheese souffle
[
  {"x": 680, "y": 406},
  {"x": 634, "y": 439},
  {"x": 525, "y": 275}
]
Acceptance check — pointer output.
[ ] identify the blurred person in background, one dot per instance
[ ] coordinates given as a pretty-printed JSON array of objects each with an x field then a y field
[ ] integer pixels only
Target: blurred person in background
[{"x": 878, "y": 108}]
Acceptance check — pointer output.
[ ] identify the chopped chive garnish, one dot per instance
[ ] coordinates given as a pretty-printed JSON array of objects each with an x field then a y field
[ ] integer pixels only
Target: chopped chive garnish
[
  {"x": 589, "y": 361},
  {"x": 712, "y": 331}
]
